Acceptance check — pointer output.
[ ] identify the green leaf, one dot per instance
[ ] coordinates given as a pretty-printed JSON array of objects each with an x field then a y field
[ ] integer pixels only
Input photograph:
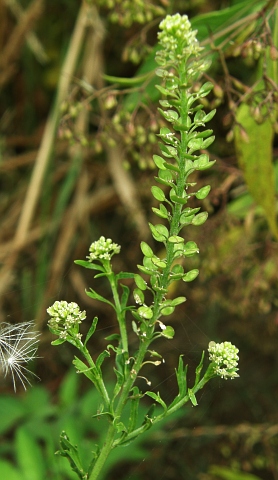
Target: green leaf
[
  {"x": 158, "y": 399},
  {"x": 172, "y": 167},
  {"x": 113, "y": 337},
  {"x": 81, "y": 367},
  {"x": 200, "y": 218},
  {"x": 12, "y": 410},
  {"x": 159, "y": 232},
  {"x": 159, "y": 212},
  {"x": 199, "y": 369},
  {"x": 91, "y": 331},
  {"x": 165, "y": 175},
  {"x": 188, "y": 215},
  {"x": 158, "y": 263},
  {"x": 100, "y": 359},
  {"x": 205, "y": 89},
  {"x": 146, "y": 250},
  {"x": 140, "y": 282},
  {"x": 158, "y": 193},
  {"x": 178, "y": 269},
  {"x": 178, "y": 301},
  {"x": 181, "y": 373},
  {"x": 190, "y": 249},
  {"x": 175, "y": 239},
  {"x": 145, "y": 312},
  {"x": 134, "y": 406},
  {"x": 255, "y": 160},
  {"x": 59, "y": 341},
  {"x": 195, "y": 144},
  {"x": 207, "y": 142},
  {"x": 204, "y": 134},
  {"x": 176, "y": 199},
  {"x": 166, "y": 92},
  {"x": 124, "y": 297},
  {"x": 124, "y": 275},
  {"x": 139, "y": 296},
  {"x": 120, "y": 382},
  {"x": 92, "y": 266},
  {"x": 168, "y": 332},
  {"x": 202, "y": 162},
  {"x": 231, "y": 474},
  {"x": 192, "y": 397},
  {"x": 7, "y": 471},
  {"x": 96, "y": 296},
  {"x": 159, "y": 161},
  {"x": 209, "y": 116},
  {"x": 191, "y": 275},
  {"x": 71, "y": 453},
  {"x": 68, "y": 391},
  {"x": 203, "y": 192},
  {"x": 29, "y": 455}
]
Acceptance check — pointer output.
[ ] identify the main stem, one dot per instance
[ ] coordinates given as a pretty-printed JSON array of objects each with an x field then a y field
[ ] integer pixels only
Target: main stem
[
  {"x": 110, "y": 442},
  {"x": 111, "y": 432}
]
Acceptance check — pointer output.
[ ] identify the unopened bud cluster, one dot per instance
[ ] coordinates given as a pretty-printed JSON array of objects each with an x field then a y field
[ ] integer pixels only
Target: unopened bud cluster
[
  {"x": 177, "y": 39},
  {"x": 225, "y": 358}
]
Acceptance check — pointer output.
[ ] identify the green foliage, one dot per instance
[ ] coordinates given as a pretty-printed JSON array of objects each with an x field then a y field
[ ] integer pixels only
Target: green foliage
[
  {"x": 229, "y": 474},
  {"x": 254, "y": 155},
  {"x": 31, "y": 454},
  {"x": 180, "y": 145}
]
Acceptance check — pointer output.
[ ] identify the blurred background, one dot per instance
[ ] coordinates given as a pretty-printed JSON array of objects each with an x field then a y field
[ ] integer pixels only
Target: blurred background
[{"x": 78, "y": 125}]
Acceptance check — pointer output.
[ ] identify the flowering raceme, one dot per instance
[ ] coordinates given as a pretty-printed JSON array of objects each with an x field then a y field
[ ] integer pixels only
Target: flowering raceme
[
  {"x": 103, "y": 249},
  {"x": 18, "y": 346},
  {"x": 224, "y": 357},
  {"x": 65, "y": 320}
]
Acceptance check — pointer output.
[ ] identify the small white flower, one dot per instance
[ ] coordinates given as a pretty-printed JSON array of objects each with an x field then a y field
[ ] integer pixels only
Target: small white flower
[{"x": 18, "y": 346}]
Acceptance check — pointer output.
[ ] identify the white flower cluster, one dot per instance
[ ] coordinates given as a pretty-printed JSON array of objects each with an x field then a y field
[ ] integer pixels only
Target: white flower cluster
[
  {"x": 18, "y": 346},
  {"x": 177, "y": 37},
  {"x": 103, "y": 249},
  {"x": 65, "y": 319},
  {"x": 225, "y": 357}
]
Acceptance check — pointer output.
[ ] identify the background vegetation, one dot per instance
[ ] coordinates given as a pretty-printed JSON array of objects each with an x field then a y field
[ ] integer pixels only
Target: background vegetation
[{"x": 78, "y": 118}]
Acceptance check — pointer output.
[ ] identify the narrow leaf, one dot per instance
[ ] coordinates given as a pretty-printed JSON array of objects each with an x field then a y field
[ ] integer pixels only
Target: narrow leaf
[
  {"x": 91, "y": 330},
  {"x": 158, "y": 399}
]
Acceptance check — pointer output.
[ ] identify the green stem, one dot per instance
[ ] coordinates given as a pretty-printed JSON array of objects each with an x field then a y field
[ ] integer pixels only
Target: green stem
[
  {"x": 132, "y": 435},
  {"x": 99, "y": 384},
  {"x": 120, "y": 314},
  {"x": 111, "y": 432},
  {"x": 106, "y": 449},
  {"x": 181, "y": 183}
]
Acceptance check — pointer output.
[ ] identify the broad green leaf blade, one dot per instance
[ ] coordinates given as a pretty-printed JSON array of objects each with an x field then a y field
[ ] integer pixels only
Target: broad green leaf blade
[
  {"x": 255, "y": 160},
  {"x": 8, "y": 471},
  {"x": 68, "y": 391},
  {"x": 29, "y": 456},
  {"x": 13, "y": 410},
  {"x": 229, "y": 474}
]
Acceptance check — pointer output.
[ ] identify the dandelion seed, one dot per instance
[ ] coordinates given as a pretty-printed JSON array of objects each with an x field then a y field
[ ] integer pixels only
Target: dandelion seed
[{"x": 18, "y": 346}]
